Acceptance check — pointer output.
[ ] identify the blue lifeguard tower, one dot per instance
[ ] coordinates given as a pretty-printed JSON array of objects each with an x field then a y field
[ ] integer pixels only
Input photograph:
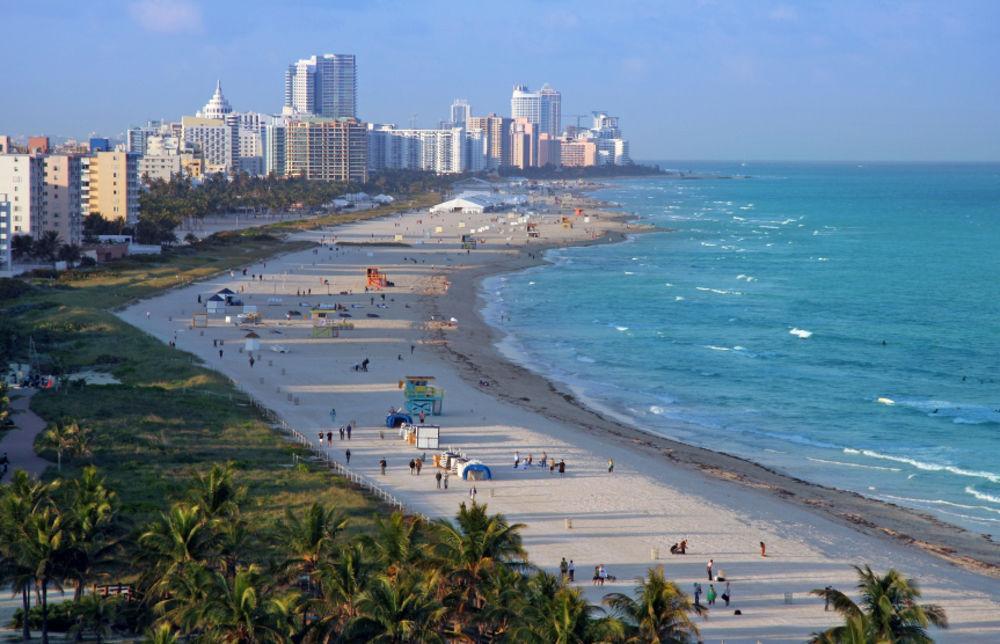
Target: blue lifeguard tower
[{"x": 422, "y": 395}]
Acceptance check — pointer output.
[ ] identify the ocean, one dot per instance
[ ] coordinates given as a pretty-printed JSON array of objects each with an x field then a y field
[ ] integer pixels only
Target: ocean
[{"x": 838, "y": 322}]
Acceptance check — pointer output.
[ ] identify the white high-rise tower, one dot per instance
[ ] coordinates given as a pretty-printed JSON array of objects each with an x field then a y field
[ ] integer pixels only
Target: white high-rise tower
[
  {"x": 526, "y": 104},
  {"x": 322, "y": 86},
  {"x": 550, "y": 111},
  {"x": 460, "y": 112}
]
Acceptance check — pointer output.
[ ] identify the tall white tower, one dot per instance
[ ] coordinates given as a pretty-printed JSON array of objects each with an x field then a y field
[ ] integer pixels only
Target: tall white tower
[
  {"x": 460, "y": 112},
  {"x": 550, "y": 110},
  {"x": 325, "y": 85},
  {"x": 217, "y": 107},
  {"x": 526, "y": 104}
]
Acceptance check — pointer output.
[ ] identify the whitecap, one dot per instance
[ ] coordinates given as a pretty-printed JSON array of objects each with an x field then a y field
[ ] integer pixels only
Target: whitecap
[
  {"x": 715, "y": 348},
  {"x": 800, "y": 333},
  {"x": 981, "y": 495},
  {"x": 621, "y": 328},
  {"x": 679, "y": 298},
  {"x": 858, "y": 465},
  {"x": 928, "y": 467},
  {"x": 585, "y": 359}
]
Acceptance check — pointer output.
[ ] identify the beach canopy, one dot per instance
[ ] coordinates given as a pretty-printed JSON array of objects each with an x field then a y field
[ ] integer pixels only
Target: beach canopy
[
  {"x": 226, "y": 291},
  {"x": 216, "y": 298},
  {"x": 251, "y": 335},
  {"x": 397, "y": 419},
  {"x": 476, "y": 471}
]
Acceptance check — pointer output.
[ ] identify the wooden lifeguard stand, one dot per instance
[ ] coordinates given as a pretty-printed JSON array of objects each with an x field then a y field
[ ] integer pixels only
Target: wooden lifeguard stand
[
  {"x": 422, "y": 395},
  {"x": 376, "y": 278}
]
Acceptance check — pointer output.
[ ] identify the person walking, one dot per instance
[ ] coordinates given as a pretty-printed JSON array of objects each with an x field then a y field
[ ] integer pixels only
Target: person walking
[
  {"x": 763, "y": 549},
  {"x": 420, "y": 464},
  {"x": 563, "y": 569},
  {"x": 472, "y": 493},
  {"x": 321, "y": 439},
  {"x": 341, "y": 432},
  {"x": 412, "y": 465},
  {"x": 437, "y": 477},
  {"x": 697, "y": 594},
  {"x": 251, "y": 362},
  {"x": 329, "y": 438},
  {"x": 611, "y": 466},
  {"x": 220, "y": 353},
  {"x": 382, "y": 463},
  {"x": 708, "y": 567},
  {"x": 446, "y": 475},
  {"x": 727, "y": 594},
  {"x": 572, "y": 571},
  {"x": 711, "y": 595},
  {"x": 348, "y": 431},
  {"x": 421, "y": 416}
]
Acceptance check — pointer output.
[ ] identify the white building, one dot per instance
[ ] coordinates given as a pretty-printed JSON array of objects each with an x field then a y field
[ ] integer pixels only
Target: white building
[
  {"x": 6, "y": 233},
  {"x": 274, "y": 146},
  {"x": 549, "y": 111},
  {"x": 21, "y": 180},
  {"x": 322, "y": 86},
  {"x": 526, "y": 104},
  {"x": 213, "y": 139},
  {"x": 460, "y": 112},
  {"x": 476, "y": 150},
  {"x": 217, "y": 107},
  {"x": 441, "y": 151}
]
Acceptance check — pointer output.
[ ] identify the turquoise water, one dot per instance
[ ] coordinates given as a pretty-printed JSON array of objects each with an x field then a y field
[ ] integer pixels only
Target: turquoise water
[{"x": 777, "y": 313}]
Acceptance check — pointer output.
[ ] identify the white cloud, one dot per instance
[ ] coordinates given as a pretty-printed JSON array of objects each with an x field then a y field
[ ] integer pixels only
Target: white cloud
[{"x": 166, "y": 16}]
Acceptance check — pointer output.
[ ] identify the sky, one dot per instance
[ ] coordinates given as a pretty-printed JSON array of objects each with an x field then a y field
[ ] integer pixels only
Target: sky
[{"x": 697, "y": 79}]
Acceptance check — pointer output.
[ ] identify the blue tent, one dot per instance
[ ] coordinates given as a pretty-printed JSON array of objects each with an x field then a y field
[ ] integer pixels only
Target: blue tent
[
  {"x": 397, "y": 419},
  {"x": 484, "y": 472}
]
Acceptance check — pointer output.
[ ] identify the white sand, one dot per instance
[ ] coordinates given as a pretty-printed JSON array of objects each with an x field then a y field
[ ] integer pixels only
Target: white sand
[{"x": 616, "y": 519}]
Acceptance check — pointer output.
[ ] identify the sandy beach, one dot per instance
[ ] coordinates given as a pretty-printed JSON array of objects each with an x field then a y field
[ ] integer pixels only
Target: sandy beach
[{"x": 660, "y": 491}]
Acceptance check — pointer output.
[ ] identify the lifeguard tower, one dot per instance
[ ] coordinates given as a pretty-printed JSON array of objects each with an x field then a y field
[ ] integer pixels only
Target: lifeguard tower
[
  {"x": 422, "y": 395},
  {"x": 468, "y": 242},
  {"x": 376, "y": 278}
]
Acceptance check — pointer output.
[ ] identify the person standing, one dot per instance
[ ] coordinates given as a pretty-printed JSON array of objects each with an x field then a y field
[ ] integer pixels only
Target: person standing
[
  {"x": 329, "y": 438},
  {"x": 251, "y": 362},
  {"x": 220, "y": 353},
  {"x": 697, "y": 594},
  {"x": 727, "y": 594},
  {"x": 321, "y": 439},
  {"x": 341, "y": 430},
  {"x": 572, "y": 571},
  {"x": 446, "y": 475},
  {"x": 412, "y": 465},
  {"x": 563, "y": 569},
  {"x": 348, "y": 431},
  {"x": 347, "y": 455},
  {"x": 711, "y": 595},
  {"x": 562, "y": 466},
  {"x": 517, "y": 459},
  {"x": 420, "y": 464},
  {"x": 437, "y": 477},
  {"x": 763, "y": 549},
  {"x": 611, "y": 466},
  {"x": 472, "y": 494},
  {"x": 708, "y": 567},
  {"x": 421, "y": 416},
  {"x": 382, "y": 463}
]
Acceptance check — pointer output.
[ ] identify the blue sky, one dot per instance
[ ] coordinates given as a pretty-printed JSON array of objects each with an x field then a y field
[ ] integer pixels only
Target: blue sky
[{"x": 741, "y": 79}]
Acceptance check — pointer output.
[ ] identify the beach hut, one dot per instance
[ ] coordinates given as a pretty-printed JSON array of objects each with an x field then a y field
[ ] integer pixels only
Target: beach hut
[
  {"x": 475, "y": 471},
  {"x": 428, "y": 436},
  {"x": 215, "y": 304},
  {"x": 252, "y": 342},
  {"x": 397, "y": 419}
]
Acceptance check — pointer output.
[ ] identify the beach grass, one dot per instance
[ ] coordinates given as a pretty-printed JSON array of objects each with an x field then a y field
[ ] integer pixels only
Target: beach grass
[{"x": 170, "y": 416}]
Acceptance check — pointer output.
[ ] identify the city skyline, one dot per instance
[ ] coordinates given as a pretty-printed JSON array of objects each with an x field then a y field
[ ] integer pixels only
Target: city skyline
[{"x": 707, "y": 80}]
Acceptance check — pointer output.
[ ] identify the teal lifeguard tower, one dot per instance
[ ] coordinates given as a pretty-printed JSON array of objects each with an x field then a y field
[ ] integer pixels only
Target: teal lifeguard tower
[{"x": 422, "y": 395}]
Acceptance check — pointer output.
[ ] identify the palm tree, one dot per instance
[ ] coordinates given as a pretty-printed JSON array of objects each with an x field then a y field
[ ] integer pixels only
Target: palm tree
[
  {"x": 396, "y": 544},
  {"x": 66, "y": 437},
  {"x": 659, "y": 613},
  {"x": 399, "y": 610},
  {"x": 95, "y": 614},
  {"x": 216, "y": 492},
  {"x": 69, "y": 253},
  {"x": 308, "y": 540},
  {"x": 561, "y": 615},
  {"x": 22, "y": 246},
  {"x": 241, "y": 611},
  {"x": 92, "y": 511},
  {"x": 20, "y": 500},
  {"x": 162, "y": 633},
  {"x": 341, "y": 583},
  {"x": 45, "y": 543},
  {"x": 888, "y": 611},
  {"x": 46, "y": 246},
  {"x": 472, "y": 549},
  {"x": 171, "y": 544}
]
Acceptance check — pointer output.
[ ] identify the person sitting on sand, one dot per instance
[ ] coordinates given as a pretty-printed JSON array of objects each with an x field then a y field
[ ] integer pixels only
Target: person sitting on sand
[{"x": 675, "y": 549}]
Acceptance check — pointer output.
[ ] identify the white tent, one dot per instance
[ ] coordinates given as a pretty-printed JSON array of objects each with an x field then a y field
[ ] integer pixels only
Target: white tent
[
  {"x": 252, "y": 342},
  {"x": 470, "y": 203},
  {"x": 383, "y": 199},
  {"x": 215, "y": 304}
]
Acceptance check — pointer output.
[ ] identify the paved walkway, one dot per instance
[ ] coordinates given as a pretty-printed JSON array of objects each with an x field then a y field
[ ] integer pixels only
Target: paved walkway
[{"x": 19, "y": 443}]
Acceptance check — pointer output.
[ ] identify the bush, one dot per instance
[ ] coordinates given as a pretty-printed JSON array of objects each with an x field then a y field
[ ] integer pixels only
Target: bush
[
  {"x": 11, "y": 288},
  {"x": 87, "y": 262},
  {"x": 62, "y": 616}
]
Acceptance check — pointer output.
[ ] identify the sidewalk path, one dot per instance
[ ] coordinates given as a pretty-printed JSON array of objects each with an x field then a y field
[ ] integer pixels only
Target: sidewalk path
[{"x": 19, "y": 443}]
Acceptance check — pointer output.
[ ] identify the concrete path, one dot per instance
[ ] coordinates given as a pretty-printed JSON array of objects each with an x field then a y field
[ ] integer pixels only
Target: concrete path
[{"x": 19, "y": 443}]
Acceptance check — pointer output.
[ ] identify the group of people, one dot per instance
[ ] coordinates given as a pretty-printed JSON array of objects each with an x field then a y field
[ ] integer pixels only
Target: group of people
[
  {"x": 344, "y": 430},
  {"x": 567, "y": 570},
  {"x": 525, "y": 463},
  {"x": 712, "y": 595}
]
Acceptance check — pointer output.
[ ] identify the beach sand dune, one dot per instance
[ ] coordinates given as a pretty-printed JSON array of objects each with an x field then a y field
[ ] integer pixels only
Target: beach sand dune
[{"x": 626, "y": 520}]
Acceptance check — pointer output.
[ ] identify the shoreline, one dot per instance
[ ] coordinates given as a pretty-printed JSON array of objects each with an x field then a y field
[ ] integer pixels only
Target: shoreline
[
  {"x": 655, "y": 496},
  {"x": 869, "y": 516}
]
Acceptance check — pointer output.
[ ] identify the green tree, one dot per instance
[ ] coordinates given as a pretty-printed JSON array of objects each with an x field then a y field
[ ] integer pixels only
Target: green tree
[
  {"x": 68, "y": 438},
  {"x": 400, "y": 610},
  {"x": 341, "y": 583},
  {"x": 91, "y": 509},
  {"x": 46, "y": 246},
  {"x": 888, "y": 611},
  {"x": 69, "y": 253},
  {"x": 22, "y": 247},
  {"x": 561, "y": 615},
  {"x": 396, "y": 543},
  {"x": 242, "y": 610},
  {"x": 309, "y": 540},
  {"x": 95, "y": 615},
  {"x": 659, "y": 613},
  {"x": 20, "y": 500},
  {"x": 45, "y": 542}
]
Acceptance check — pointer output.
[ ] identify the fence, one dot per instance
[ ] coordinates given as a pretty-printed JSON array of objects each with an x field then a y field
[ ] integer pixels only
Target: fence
[{"x": 354, "y": 477}]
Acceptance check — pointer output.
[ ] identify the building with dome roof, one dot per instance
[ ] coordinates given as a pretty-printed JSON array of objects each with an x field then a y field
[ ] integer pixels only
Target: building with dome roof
[{"x": 217, "y": 107}]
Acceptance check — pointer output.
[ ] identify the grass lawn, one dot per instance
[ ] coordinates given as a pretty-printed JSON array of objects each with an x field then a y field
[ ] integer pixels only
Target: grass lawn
[{"x": 170, "y": 416}]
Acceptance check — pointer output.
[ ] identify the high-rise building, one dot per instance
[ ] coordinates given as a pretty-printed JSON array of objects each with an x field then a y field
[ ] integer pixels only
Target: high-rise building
[
  {"x": 460, "y": 112},
  {"x": 496, "y": 130},
  {"x": 550, "y": 111},
  {"x": 274, "y": 141},
  {"x": 38, "y": 145},
  {"x": 110, "y": 186},
  {"x": 6, "y": 234},
  {"x": 327, "y": 149},
  {"x": 578, "y": 154},
  {"x": 523, "y": 143},
  {"x": 525, "y": 104},
  {"x": 61, "y": 205},
  {"x": 441, "y": 150},
  {"x": 322, "y": 85},
  {"x": 549, "y": 150},
  {"x": 21, "y": 181},
  {"x": 476, "y": 144},
  {"x": 212, "y": 139}
]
